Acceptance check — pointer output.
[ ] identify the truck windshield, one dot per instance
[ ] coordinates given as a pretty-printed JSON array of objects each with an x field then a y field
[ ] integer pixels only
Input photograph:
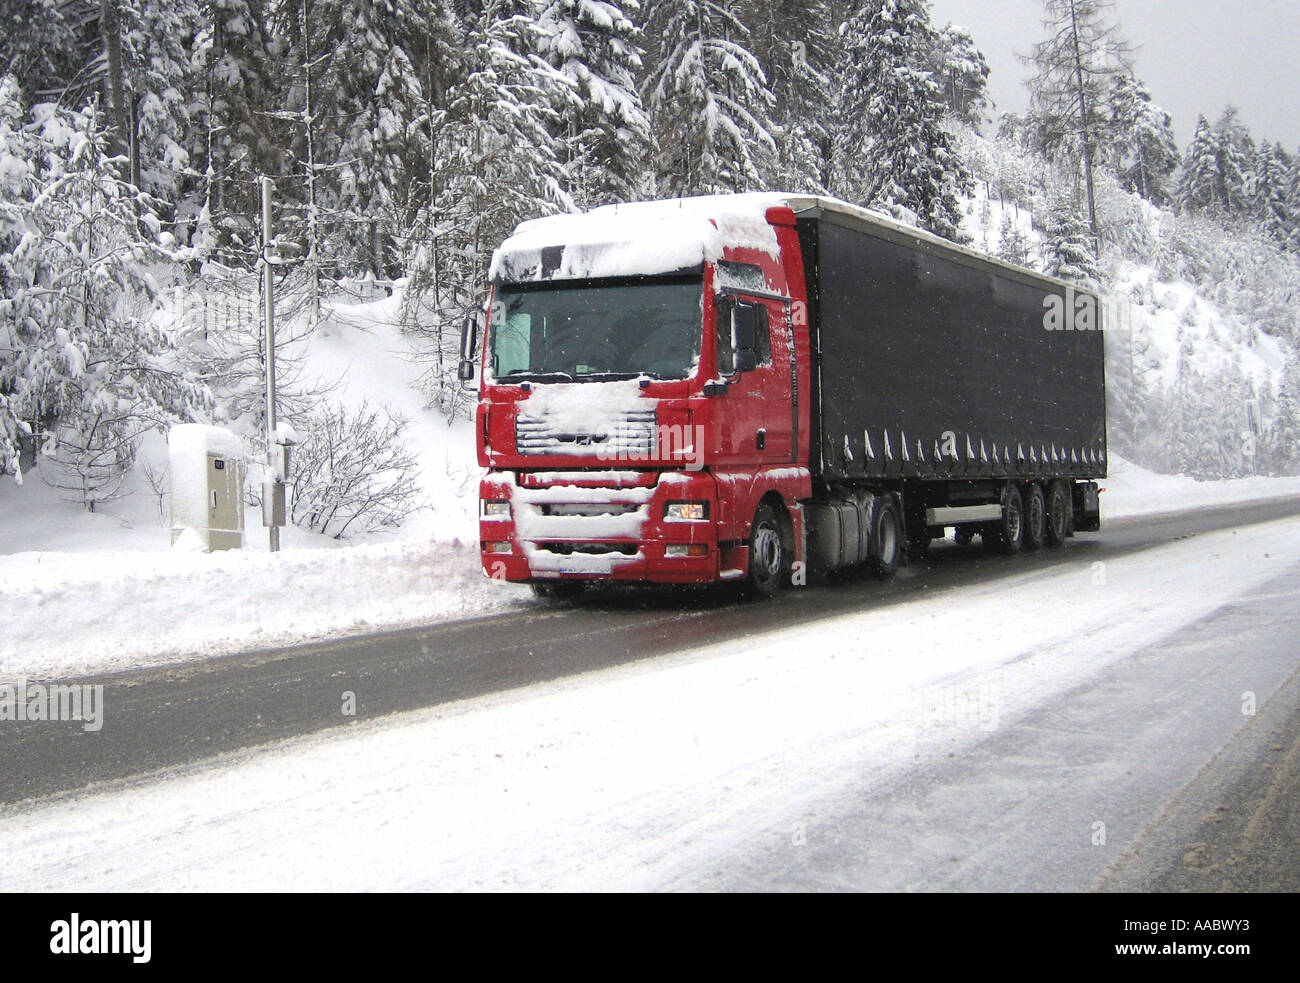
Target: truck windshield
[{"x": 597, "y": 329}]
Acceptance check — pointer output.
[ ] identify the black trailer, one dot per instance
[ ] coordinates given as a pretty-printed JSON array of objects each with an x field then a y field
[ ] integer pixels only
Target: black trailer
[{"x": 959, "y": 387}]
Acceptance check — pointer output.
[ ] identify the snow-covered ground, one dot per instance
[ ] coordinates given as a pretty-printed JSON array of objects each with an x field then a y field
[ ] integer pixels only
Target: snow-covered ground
[{"x": 644, "y": 776}]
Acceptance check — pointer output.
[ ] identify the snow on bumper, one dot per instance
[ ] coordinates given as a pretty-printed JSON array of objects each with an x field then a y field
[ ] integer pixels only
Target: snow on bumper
[{"x": 598, "y": 525}]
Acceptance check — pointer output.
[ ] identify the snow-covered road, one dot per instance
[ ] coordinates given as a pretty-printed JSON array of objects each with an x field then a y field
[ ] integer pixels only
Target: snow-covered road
[{"x": 737, "y": 764}]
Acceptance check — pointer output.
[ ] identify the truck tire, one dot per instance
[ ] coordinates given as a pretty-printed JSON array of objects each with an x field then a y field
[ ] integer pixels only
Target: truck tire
[
  {"x": 1058, "y": 514},
  {"x": 556, "y": 591},
  {"x": 1035, "y": 518},
  {"x": 1008, "y": 535},
  {"x": 886, "y": 539},
  {"x": 769, "y": 561}
]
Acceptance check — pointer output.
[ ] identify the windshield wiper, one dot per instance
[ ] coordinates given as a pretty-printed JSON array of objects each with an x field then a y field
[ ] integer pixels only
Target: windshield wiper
[
  {"x": 616, "y": 376},
  {"x": 526, "y": 376}
]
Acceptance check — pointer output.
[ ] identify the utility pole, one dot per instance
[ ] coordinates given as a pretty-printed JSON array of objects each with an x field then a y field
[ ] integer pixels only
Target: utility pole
[{"x": 273, "y": 486}]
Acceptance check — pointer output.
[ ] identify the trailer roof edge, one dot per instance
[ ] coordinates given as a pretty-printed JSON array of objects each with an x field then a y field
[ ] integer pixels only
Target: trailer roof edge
[{"x": 874, "y": 223}]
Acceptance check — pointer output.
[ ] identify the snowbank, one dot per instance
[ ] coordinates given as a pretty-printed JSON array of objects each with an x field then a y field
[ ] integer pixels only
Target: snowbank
[
  {"x": 73, "y": 613},
  {"x": 1132, "y": 491}
]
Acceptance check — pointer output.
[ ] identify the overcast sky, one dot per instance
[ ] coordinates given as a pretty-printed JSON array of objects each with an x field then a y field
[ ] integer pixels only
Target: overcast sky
[{"x": 1195, "y": 55}]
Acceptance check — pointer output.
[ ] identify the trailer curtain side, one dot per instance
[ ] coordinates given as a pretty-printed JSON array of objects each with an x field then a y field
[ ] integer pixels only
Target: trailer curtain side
[{"x": 930, "y": 363}]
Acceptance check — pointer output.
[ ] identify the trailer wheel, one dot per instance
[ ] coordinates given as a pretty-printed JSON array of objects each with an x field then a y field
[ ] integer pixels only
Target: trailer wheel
[
  {"x": 1035, "y": 519},
  {"x": 886, "y": 539},
  {"x": 1058, "y": 514},
  {"x": 556, "y": 591},
  {"x": 769, "y": 560},
  {"x": 1007, "y": 535}
]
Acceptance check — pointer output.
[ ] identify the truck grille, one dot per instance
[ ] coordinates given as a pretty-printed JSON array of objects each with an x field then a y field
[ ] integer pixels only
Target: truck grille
[
  {"x": 630, "y": 435},
  {"x": 590, "y": 549}
]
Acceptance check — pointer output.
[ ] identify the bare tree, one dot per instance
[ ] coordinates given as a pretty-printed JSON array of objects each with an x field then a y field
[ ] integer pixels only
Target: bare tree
[
  {"x": 353, "y": 469},
  {"x": 1076, "y": 66},
  {"x": 227, "y": 346}
]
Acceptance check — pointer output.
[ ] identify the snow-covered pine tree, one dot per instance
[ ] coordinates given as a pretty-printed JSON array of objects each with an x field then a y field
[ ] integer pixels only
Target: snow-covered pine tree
[
  {"x": 1188, "y": 448},
  {"x": 1132, "y": 425},
  {"x": 963, "y": 73},
  {"x": 605, "y": 133},
  {"x": 157, "y": 38},
  {"x": 237, "y": 142},
  {"x": 798, "y": 46},
  {"x": 892, "y": 149},
  {"x": 1198, "y": 187},
  {"x": 90, "y": 370},
  {"x": 1075, "y": 67},
  {"x": 17, "y": 237},
  {"x": 1284, "y": 443},
  {"x": 364, "y": 145},
  {"x": 500, "y": 164},
  {"x": 1145, "y": 152},
  {"x": 1270, "y": 206},
  {"x": 1067, "y": 245},
  {"x": 1013, "y": 243},
  {"x": 135, "y": 54},
  {"x": 40, "y": 46},
  {"x": 1235, "y": 163},
  {"x": 708, "y": 100},
  {"x": 1293, "y": 200}
]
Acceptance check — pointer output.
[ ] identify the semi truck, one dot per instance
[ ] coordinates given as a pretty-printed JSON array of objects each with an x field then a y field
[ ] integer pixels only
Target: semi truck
[{"x": 754, "y": 388}]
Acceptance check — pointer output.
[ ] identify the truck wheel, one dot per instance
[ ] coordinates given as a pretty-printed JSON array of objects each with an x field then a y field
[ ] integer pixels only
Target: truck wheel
[
  {"x": 1035, "y": 519},
  {"x": 556, "y": 591},
  {"x": 768, "y": 560},
  {"x": 886, "y": 539},
  {"x": 1007, "y": 536},
  {"x": 1058, "y": 514}
]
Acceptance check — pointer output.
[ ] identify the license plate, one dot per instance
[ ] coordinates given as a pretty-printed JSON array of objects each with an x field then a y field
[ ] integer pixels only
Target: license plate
[{"x": 586, "y": 564}]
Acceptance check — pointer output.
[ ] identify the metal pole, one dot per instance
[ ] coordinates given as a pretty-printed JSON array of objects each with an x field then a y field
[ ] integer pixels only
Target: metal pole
[{"x": 269, "y": 301}]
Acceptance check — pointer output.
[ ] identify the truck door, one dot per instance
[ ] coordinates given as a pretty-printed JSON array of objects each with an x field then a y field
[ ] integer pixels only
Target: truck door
[{"x": 760, "y": 402}]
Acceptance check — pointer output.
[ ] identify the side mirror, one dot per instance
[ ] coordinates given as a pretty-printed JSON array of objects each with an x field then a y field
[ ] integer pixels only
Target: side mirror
[
  {"x": 744, "y": 337},
  {"x": 468, "y": 347}
]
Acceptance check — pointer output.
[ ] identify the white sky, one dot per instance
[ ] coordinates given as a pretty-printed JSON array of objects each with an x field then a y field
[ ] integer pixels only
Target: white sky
[{"x": 1195, "y": 55}]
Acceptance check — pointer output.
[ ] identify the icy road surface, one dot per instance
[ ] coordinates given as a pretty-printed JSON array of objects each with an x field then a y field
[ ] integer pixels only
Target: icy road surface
[{"x": 973, "y": 739}]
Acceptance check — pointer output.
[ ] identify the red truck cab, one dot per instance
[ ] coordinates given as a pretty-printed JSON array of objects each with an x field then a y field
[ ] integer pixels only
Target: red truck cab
[{"x": 643, "y": 407}]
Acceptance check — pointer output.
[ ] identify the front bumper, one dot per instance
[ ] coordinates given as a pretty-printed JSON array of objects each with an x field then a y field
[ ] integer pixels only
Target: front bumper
[{"x": 598, "y": 525}]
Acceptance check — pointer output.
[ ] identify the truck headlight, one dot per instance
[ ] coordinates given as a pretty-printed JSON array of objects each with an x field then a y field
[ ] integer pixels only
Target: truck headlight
[
  {"x": 686, "y": 511},
  {"x": 497, "y": 548},
  {"x": 495, "y": 510}
]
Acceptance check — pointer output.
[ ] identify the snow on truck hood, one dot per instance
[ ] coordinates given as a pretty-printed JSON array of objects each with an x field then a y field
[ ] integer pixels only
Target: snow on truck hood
[{"x": 643, "y": 238}]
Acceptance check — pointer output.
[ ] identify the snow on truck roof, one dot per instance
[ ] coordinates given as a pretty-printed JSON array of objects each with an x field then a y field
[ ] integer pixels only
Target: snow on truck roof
[
  {"x": 656, "y": 237},
  {"x": 646, "y": 237}
]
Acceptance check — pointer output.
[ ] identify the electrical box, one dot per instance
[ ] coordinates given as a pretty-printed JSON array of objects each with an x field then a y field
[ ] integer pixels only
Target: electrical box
[{"x": 207, "y": 485}]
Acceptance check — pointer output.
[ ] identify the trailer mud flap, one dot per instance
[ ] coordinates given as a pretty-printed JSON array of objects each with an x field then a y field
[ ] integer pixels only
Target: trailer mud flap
[{"x": 1087, "y": 506}]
